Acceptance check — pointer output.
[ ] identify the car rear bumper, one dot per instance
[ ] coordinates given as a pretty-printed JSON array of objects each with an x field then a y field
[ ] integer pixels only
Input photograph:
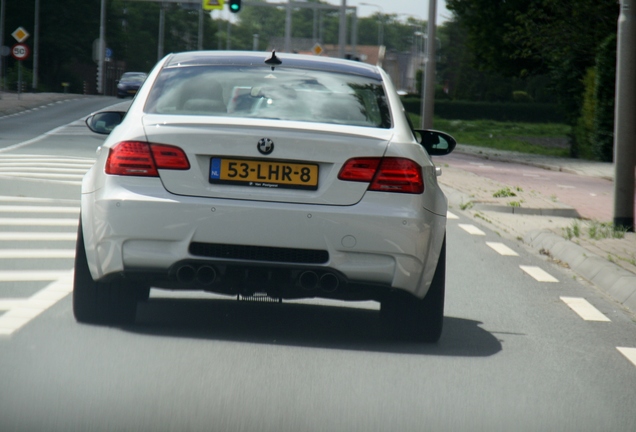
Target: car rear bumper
[{"x": 132, "y": 225}]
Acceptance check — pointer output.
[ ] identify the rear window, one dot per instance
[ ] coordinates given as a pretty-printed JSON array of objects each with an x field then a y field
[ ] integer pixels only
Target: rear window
[{"x": 282, "y": 94}]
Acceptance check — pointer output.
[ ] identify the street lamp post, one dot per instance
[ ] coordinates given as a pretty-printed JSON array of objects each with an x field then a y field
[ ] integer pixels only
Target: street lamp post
[
  {"x": 380, "y": 22},
  {"x": 428, "y": 81}
]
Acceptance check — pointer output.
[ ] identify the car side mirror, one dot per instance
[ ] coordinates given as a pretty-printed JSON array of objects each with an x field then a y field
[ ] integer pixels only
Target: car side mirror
[
  {"x": 105, "y": 121},
  {"x": 436, "y": 143}
]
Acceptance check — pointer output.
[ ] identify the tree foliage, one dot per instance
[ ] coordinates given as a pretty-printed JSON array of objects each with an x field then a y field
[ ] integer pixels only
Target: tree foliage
[{"x": 560, "y": 37}]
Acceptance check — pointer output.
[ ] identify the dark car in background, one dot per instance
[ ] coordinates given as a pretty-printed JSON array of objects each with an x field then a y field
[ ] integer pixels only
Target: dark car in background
[{"x": 129, "y": 83}]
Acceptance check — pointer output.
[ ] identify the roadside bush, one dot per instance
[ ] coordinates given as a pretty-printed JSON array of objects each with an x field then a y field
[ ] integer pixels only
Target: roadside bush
[
  {"x": 604, "y": 93},
  {"x": 583, "y": 143}
]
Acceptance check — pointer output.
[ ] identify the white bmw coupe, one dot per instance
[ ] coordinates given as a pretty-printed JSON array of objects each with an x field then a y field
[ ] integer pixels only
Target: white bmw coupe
[{"x": 264, "y": 176}]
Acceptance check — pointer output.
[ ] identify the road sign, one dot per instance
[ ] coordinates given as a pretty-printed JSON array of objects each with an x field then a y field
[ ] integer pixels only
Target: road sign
[
  {"x": 212, "y": 4},
  {"x": 20, "y": 34},
  {"x": 20, "y": 51},
  {"x": 317, "y": 49}
]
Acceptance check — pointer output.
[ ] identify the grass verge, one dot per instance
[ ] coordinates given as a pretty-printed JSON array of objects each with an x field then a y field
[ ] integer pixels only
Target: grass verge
[{"x": 548, "y": 139}]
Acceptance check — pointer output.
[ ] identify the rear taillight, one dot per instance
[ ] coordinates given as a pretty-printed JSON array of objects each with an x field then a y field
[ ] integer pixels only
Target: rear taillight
[
  {"x": 138, "y": 158},
  {"x": 385, "y": 174}
]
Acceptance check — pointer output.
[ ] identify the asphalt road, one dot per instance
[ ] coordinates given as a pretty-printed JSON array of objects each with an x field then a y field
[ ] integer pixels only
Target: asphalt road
[{"x": 518, "y": 351}]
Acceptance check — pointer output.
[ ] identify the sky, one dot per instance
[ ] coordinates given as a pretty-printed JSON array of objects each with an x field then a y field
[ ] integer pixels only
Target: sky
[{"x": 417, "y": 8}]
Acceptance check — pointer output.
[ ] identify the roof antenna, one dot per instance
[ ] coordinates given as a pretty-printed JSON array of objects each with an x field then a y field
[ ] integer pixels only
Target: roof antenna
[{"x": 273, "y": 61}]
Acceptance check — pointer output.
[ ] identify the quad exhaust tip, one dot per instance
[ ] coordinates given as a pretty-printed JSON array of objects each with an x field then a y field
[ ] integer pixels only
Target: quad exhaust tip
[
  {"x": 204, "y": 275},
  {"x": 327, "y": 282}
]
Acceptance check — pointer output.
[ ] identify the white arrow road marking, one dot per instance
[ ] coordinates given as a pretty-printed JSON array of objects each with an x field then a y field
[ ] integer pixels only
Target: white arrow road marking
[
  {"x": 584, "y": 309},
  {"x": 502, "y": 249},
  {"x": 21, "y": 313},
  {"x": 472, "y": 229},
  {"x": 630, "y": 353},
  {"x": 539, "y": 274}
]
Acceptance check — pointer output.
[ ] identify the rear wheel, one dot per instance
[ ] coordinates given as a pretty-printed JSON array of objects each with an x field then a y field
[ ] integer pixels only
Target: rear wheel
[
  {"x": 98, "y": 302},
  {"x": 418, "y": 319}
]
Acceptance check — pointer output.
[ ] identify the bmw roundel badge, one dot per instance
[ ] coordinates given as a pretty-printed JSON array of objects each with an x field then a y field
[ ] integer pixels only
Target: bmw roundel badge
[{"x": 265, "y": 146}]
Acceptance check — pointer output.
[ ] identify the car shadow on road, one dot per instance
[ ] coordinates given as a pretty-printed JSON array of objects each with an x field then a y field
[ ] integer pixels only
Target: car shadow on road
[{"x": 303, "y": 325}]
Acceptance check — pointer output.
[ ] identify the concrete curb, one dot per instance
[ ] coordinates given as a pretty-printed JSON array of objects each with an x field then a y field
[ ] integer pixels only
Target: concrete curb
[
  {"x": 613, "y": 280},
  {"x": 566, "y": 212}
]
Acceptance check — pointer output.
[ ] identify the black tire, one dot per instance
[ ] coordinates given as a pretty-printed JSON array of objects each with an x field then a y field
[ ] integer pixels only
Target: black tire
[
  {"x": 97, "y": 302},
  {"x": 418, "y": 319}
]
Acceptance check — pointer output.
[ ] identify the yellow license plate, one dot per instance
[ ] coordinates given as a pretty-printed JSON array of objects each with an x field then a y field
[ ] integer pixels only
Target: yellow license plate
[{"x": 261, "y": 173}]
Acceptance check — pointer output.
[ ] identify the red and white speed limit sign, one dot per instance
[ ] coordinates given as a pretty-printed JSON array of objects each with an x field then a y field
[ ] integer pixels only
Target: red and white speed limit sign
[{"x": 20, "y": 51}]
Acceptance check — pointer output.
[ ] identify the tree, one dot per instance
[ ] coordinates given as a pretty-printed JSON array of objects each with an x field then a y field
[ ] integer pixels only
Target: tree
[{"x": 561, "y": 37}]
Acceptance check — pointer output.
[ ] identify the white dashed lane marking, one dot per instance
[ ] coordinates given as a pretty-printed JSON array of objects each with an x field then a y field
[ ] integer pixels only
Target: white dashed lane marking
[
  {"x": 472, "y": 229},
  {"x": 584, "y": 309},
  {"x": 629, "y": 353},
  {"x": 538, "y": 274},
  {"x": 450, "y": 215},
  {"x": 502, "y": 249}
]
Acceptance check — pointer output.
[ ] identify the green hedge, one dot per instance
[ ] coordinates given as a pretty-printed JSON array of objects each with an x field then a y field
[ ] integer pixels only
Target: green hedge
[{"x": 465, "y": 110}]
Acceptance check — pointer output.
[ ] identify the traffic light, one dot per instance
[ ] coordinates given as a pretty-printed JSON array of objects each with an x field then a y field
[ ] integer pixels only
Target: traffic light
[{"x": 235, "y": 6}]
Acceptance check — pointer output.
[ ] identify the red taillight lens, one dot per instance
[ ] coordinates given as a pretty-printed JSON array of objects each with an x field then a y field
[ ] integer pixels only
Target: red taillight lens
[
  {"x": 359, "y": 169},
  {"x": 169, "y": 157},
  {"x": 138, "y": 158},
  {"x": 385, "y": 174}
]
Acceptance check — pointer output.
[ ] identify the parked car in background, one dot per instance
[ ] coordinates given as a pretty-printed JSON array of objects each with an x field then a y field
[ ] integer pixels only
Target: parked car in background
[
  {"x": 129, "y": 83},
  {"x": 264, "y": 176}
]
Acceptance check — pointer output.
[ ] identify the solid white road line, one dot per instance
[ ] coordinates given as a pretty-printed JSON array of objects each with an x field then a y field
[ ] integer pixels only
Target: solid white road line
[
  {"x": 38, "y": 222},
  {"x": 36, "y": 253},
  {"x": 37, "y": 236},
  {"x": 502, "y": 249},
  {"x": 30, "y": 275},
  {"x": 23, "y": 312},
  {"x": 538, "y": 274},
  {"x": 584, "y": 309},
  {"x": 472, "y": 229},
  {"x": 629, "y": 353},
  {"x": 37, "y": 209},
  {"x": 450, "y": 215}
]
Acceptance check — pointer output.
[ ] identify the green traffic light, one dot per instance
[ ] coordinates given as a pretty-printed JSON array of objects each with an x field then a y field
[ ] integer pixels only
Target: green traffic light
[{"x": 235, "y": 6}]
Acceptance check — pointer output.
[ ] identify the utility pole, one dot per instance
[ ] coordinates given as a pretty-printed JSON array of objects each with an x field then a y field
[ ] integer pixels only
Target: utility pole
[
  {"x": 625, "y": 113},
  {"x": 342, "y": 33},
  {"x": 102, "y": 48},
  {"x": 1, "y": 44},
  {"x": 428, "y": 80},
  {"x": 36, "y": 45}
]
